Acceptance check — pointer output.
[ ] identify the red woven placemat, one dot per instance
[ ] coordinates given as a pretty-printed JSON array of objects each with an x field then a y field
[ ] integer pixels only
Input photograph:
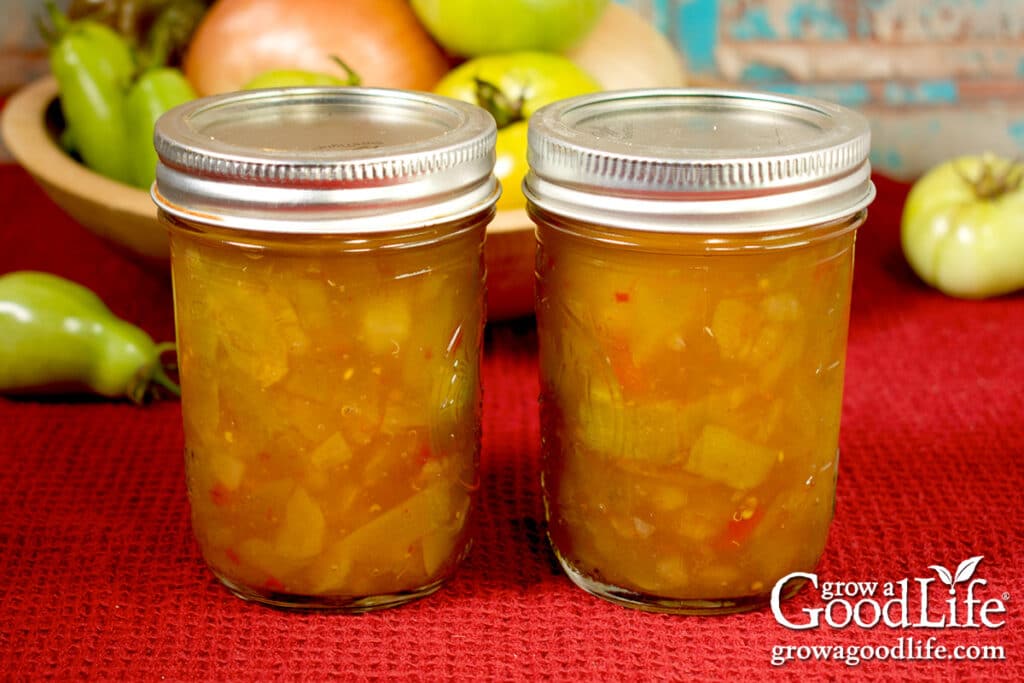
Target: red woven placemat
[{"x": 101, "y": 578}]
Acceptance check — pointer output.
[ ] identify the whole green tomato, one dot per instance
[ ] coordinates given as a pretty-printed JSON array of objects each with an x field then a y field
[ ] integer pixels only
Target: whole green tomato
[
  {"x": 510, "y": 165},
  {"x": 289, "y": 78},
  {"x": 963, "y": 227},
  {"x": 471, "y": 28},
  {"x": 511, "y": 87}
]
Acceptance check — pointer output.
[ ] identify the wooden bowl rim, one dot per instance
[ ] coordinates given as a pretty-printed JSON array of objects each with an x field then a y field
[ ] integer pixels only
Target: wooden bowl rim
[{"x": 26, "y": 136}]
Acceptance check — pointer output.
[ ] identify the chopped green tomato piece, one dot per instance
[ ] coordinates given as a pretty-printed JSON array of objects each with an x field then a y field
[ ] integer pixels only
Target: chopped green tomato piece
[
  {"x": 383, "y": 540},
  {"x": 439, "y": 546},
  {"x": 699, "y": 526},
  {"x": 332, "y": 452},
  {"x": 667, "y": 498},
  {"x": 259, "y": 329},
  {"x": 732, "y": 325},
  {"x": 724, "y": 457},
  {"x": 227, "y": 469},
  {"x": 456, "y": 395},
  {"x": 764, "y": 337},
  {"x": 265, "y": 557},
  {"x": 386, "y": 324},
  {"x": 782, "y": 308},
  {"x": 301, "y": 535},
  {"x": 649, "y": 432}
]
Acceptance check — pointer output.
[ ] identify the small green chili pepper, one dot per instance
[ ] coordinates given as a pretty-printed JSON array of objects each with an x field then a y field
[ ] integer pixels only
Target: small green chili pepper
[
  {"x": 93, "y": 66},
  {"x": 121, "y": 62},
  {"x": 156, "y": 91},
  {"x": 56, "y": 335}
]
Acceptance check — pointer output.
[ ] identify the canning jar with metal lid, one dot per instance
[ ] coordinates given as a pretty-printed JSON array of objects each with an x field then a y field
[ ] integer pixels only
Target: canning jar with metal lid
[
  {"x": 693, "y": 291},
  {"x": 326, "y": 255}
]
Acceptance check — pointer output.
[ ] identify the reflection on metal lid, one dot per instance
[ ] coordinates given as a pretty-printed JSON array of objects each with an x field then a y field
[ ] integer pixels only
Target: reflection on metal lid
[
  {"x": 322, "y": 160},
  {"x": 699, "y": 160}
]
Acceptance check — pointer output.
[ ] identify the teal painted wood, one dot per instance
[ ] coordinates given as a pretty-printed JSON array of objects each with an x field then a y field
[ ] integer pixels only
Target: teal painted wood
[{"x": 937, "y": 78}]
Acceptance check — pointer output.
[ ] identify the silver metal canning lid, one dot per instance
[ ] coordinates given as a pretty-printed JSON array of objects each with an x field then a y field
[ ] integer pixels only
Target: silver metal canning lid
[
  {"x": 686, "y": 160},
  {"x": 325, "y": 160}
]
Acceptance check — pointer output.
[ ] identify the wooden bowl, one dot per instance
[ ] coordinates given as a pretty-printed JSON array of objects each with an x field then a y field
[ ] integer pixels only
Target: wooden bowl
[{"x": 126, "y": 216}]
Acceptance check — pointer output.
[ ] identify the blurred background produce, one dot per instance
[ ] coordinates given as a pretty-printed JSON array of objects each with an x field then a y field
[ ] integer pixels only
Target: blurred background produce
[
  {"x": 511, "y": 86},
  {"x": 240, "y": 41},
  {"x": 471, "y": 28},
  {"x": 625, "y": 50},
  {"x": 115, "y": 81},
  {"x": 963, "y": 227},
  {"x": 158, "y": 30},
  {"x": 119, "y": 64},
  {"x": 937, "y": 78},
  {"x": 381, "y": 40},
  {"x": 57, "y": 336}
]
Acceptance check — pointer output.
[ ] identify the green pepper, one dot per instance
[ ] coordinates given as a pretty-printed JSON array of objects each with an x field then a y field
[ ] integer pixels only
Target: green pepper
[
  {"x": 120, "y": 64},
  {"x": 93, "y": 66},
  {"x": 56, "y": 335},
  {"x": 156, "y": 91}
]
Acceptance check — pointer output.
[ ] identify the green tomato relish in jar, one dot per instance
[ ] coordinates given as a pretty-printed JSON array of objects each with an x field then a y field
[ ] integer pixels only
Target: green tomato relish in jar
[
  {"x": 326, "y": 253},
  {"x": 693, "y": 291}
]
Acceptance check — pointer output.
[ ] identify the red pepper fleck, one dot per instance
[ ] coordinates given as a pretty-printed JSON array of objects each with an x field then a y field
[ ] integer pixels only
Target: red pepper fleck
[
  {"x": 739, "y": 530},
  {"x": 233, "y": 556},
  {"x": 220, "y": 495},
  {"x": 428, "y": 354},
  {"x": 622, "y": 297},
  {"x": 425, "y": 454},
  {"x": 632, "y": 379},
  {"x": 273, "y": 584}
]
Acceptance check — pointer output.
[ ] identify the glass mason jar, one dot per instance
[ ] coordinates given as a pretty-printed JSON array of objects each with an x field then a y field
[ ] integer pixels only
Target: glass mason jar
[
  {"x": 326, "y": 255},
  {"x": 693, "y": 293}
]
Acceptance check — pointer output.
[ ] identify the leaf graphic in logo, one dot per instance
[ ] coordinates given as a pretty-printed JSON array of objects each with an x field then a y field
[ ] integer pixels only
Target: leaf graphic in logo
[
  {"x": 967, "y": 568},
  {"x": 944, "y": 574},
  {"x": 964, "y": 572}
]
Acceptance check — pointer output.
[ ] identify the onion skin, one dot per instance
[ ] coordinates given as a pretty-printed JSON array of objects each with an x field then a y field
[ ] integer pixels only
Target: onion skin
[
  {"x": 625, "y": 51},
  {"x": 380, "y": 39}
]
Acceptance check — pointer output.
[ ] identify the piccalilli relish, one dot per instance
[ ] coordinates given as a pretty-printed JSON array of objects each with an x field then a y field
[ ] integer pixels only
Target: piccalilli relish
[
  {"x": 690, "y": 405},
  {"x": 331, "y": 408}
]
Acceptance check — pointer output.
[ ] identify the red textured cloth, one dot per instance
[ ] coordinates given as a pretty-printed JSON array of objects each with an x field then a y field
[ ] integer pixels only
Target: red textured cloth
[{"x": 102, "y": 580}]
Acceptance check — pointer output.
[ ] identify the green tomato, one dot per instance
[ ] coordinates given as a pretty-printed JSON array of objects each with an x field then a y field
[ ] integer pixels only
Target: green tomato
[
  {"x": 283, "y": 78},
  {"x": 510, "y": 165},
  {"x": 963, "y": 227},
  {"x": 471, "y": 28},
  {"x": 511, "y": 87},
  {"x": 286, "y": 78}
]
